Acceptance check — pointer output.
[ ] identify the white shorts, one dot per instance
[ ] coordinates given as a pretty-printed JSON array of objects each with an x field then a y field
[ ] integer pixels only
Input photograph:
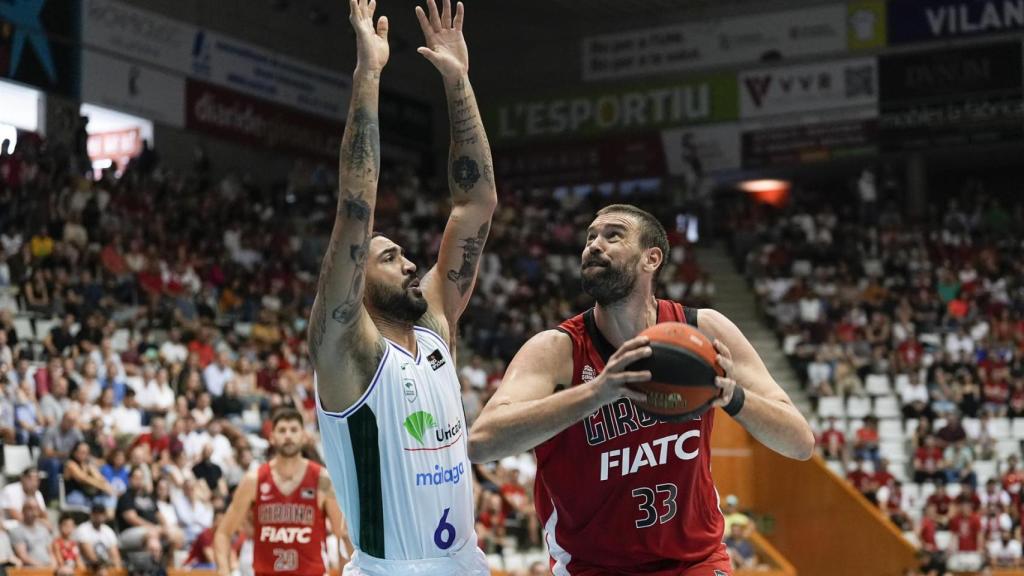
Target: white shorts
[{"x": 470, "y": 561}]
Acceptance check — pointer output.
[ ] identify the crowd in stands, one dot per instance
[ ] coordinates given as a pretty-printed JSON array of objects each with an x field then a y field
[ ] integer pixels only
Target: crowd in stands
[
  {"x": 908, "y": 336},
  {"x": 150, "y": 320}
]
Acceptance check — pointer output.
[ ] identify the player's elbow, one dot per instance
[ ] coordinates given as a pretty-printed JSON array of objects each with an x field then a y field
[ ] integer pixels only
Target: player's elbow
[{"x": 481, "y": 446}]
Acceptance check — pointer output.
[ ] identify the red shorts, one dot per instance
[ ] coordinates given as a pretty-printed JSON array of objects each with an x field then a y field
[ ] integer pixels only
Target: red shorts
[{"x": 717, "y": 564}]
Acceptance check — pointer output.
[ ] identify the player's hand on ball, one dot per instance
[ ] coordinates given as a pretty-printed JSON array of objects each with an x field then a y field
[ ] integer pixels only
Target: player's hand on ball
[
  {"x": 613, "y": 382},
  {"x": 726, "y": 384}
]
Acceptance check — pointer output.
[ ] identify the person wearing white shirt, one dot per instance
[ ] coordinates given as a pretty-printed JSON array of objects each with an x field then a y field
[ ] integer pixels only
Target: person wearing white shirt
[
  {"x": 914, "y": 396},
  {"x": 218, "y": 373},
  {"x": 475, "y": 373},
  {"x": 12, "y": 499},
  {"x": 194, "y": 515},
  {"x": 157, "y": 395},
  {"x": 1005, "y": 552},
  {"x": 128, "y": 416},
  {"x": 97, "y": 540},
  {"x": 172, "y": 350}
]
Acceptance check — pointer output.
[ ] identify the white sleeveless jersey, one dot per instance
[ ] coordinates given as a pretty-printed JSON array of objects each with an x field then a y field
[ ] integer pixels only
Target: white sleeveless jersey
[{"x": 398, "y": 457}]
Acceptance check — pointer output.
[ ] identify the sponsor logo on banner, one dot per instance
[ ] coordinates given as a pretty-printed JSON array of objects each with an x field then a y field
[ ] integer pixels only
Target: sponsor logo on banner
[
  {"x": 134, "y": 88},
  {"x": 971, "y": 94},
  {"x": 36, "y": 43},
  {"x": 119, "y": 146},
  {"x": 866, "y": 24},
  {"x": 741, "y": 40},
  {"x": 252, "y": 121},
  {"x": 633, "y": 109},
  {"x": 800, "y": 89},
  {"x": 621, "y": 158},
  {"x": 923, "y": 20}
]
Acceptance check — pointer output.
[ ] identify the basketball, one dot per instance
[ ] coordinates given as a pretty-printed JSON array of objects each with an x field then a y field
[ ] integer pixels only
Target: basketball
[{"x": 683, "y": 371}]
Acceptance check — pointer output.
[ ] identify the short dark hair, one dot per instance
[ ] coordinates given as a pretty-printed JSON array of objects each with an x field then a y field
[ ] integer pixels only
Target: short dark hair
[
  {"x": 28, "y": 471},
  {"x": 64, "y": 516},
  {"x": 286, "y": 413},
  {"x": 652, "y": 233}
]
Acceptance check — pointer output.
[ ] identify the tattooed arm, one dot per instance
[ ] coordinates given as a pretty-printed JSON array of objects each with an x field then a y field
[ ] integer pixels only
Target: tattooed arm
[
  {"x": 342, "y": 338},
  {"x": 449, "y": 284}
]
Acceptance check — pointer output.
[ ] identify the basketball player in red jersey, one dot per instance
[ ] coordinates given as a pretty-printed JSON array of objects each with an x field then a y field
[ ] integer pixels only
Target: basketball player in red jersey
[
  {"x": 618, "y": 491},
  {"x": 289, "y": 498}
]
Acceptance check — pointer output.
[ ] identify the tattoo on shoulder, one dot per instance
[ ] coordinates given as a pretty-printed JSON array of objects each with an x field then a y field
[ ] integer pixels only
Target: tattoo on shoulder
[
  {"x": 465, "y": 173},
  {"x": 472, "y": 247}
]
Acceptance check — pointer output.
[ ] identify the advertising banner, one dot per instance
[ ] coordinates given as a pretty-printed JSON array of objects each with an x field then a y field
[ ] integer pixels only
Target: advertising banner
[
  {"x": 232, "y": 115},
  {"x": 970, "y": 94},
  {"x": 611, "y": 159},
  {"x": 807, "y": 88},
  {"x": 924, "y": 20},
  {"x": 727, "y": 41},
  {"x": 702, "y": 149},
  {"x": 133, "y": 88},
  {"x": 188, "y": 50},
  {"x": 628, "y": 108},
  {"x": 37, "y": 44},
  {"x": 803, "y": 144}
]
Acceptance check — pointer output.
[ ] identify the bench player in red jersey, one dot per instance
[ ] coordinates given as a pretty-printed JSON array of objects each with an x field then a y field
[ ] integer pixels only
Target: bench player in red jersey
[
  {"x": 289, "y": 498},
  {"x": 619, "y": 492}
]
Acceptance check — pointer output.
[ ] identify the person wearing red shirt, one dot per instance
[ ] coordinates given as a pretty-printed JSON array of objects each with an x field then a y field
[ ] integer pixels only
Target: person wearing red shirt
[
  {"x": 201, "y": 555},
  {"x": 882, "y": 476},
  {"x": 490, "y": 523},
  {"x": 929, "y": 526},
  {"x": 157, "y": 439},
  {"x": 203, "y": 348},
  {"x": 865, "y": 446},
  {"x": 966, "y": 529},
  {"x": 942, "y": 503},
  {"x": 1013, "y": 478},
  {"x": 832, "y": 441},
  {"x": 928, "y": 461}
]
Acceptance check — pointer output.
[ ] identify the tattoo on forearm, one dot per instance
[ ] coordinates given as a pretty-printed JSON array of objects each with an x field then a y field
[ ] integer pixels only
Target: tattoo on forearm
[
  {"x": 471, "y": 249},
  {"x": 354, "y": 208},
  {"x": 464, "y": 116},
  {"x": 363, "y": 151},
  {"x": 465, "y": 173}
]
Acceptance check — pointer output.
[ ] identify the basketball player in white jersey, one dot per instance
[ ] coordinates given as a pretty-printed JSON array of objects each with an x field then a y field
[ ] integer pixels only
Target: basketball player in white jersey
[{"x": 389, "y": 401}]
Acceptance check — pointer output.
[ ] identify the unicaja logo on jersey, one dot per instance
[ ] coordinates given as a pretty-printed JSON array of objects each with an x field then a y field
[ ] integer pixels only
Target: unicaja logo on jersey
[
  {"x": 442, "y": 475},
  {"x": 417, "y": 424}
]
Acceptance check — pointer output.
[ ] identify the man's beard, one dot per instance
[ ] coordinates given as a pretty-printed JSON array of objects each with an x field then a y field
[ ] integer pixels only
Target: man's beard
[
  {"x": 610, "y": 283},
  {"x": 289, "y": 450},
  {"x": 397, "y": 304}
]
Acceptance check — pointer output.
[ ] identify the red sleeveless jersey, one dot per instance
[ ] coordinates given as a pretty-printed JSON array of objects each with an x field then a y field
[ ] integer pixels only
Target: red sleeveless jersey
[
  {"x": 289, "y": 530},
  {"x": 620, "y": 492}
]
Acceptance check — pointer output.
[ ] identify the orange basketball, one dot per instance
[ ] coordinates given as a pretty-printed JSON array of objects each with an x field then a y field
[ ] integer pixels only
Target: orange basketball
[{"x": 683, "y": 370}]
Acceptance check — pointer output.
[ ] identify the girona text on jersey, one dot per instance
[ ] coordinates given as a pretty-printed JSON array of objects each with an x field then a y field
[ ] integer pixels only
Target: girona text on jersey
[{"x": 290, "y": 514}]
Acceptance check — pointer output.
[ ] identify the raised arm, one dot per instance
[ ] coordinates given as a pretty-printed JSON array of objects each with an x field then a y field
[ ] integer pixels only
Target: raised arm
[
  {"x": 528, "y": 408},
  {"x": 448, "y": 286},
  {"x": 241, "y": 503},
  {"x": 340, "y": 330}
]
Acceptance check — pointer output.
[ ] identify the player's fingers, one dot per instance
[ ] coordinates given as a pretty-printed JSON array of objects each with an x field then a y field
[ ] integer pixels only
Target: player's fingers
[
  {"x": 428, "y": 54},
  {"x": 446, "y": 14},
  {"x": 435, "y": 18},
  {"x": 630, "y": 344},
  {"x": 371, "y": 8},
  {"x": 382, "y": 27},
  {"x": 722, "y": 348},
  {"x": 460, "y": 15},
  {"x": 635, "y": 376},
  {"x": 353, "y": 9},
  {"x": 725, "y": 363},
  {"x": 424, "y": 22},
  {"x": 627, "y": 358}
]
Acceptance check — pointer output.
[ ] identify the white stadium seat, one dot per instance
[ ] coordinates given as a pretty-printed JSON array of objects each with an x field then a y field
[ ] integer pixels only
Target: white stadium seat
[
  {"x": 830, "y": 406},
  {"x": 893, "y": 450},
  {"x": 972, "y": 426},
  {"x": 23, "y": 329},
  {"x": 878, "y": 384},
  {"x": 999, "y": 428},
  {"x": 887, "y": 407},
  {"x": 1017, "y": 428},
  {"x": 985, "y": 469},
  {"x": 1007, "y": 448},
  {"x": 857, "y": 407},
  {"x": 16, "y": 460},
  {"x": 890, "y": 429}
]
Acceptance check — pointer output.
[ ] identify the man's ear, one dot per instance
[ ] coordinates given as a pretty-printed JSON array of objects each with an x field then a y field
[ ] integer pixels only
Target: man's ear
[{"x": 653, "y": 259}]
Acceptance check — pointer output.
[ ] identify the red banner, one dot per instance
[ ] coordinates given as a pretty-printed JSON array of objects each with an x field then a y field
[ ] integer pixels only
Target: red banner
[
  {"x": 629, "y": 158},
  {"x": 232, "y": 115}
]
